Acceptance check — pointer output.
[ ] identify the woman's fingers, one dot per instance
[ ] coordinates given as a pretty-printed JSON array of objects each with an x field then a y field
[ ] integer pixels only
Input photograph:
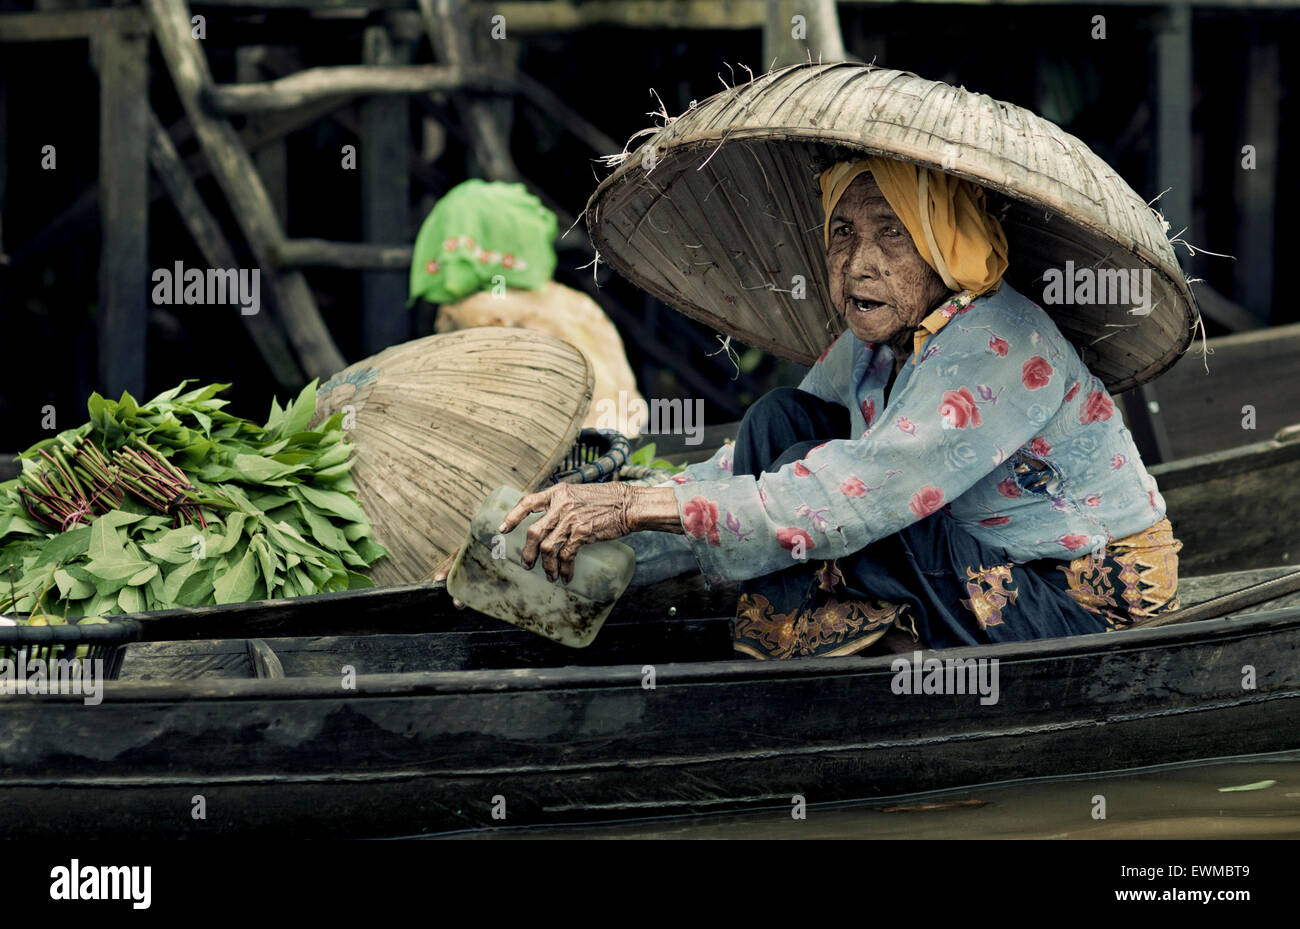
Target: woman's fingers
[
  {"x": 558, "y": 533},
  {"x": 441, "y": 575},
  {"x": 537, "y": 534},
  {"x": 573, "y": 516},
  {"x": 531, "y": 503},
  {"x": 568, "y": 552}
]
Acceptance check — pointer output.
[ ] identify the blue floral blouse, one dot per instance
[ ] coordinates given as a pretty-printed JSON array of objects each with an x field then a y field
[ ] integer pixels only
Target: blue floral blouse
[{"x": 996, "y": 419}]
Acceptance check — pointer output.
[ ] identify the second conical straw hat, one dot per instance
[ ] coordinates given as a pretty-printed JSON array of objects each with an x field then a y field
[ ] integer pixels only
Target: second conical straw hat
[
  {"x": 439, "y": 422},
  {"x": 719, "y": 215}
]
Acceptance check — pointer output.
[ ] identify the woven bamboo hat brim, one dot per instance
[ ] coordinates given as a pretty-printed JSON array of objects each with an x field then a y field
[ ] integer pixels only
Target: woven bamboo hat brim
[
  {"x": 439, "y": 422},
  {"x": 719, "y": 211}
]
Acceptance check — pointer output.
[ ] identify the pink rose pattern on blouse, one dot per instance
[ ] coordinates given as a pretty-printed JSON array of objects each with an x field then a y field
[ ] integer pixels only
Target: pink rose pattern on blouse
[
  {"x": 999, "y": 425},
  {"x": 700, "y": 519}
]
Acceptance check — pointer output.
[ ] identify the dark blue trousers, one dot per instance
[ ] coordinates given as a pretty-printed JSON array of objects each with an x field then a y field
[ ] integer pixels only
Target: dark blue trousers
[{"x": 950, "y": 588}]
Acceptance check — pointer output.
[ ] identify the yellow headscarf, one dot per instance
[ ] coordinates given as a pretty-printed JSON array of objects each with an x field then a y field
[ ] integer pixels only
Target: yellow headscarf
[{"x": 945, "y": 216}]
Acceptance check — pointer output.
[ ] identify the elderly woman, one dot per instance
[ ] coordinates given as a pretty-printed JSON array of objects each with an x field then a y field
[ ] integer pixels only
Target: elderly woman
[{"x": 948, "y": 467}]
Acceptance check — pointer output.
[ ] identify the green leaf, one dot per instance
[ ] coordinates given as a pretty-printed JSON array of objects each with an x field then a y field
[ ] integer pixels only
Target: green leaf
[
  {"x": 275, "y": 417},
  {"x": 177, "y": 577},
  {"x": 370, "y": 550},
  {"x": 336, "y": 455},
  {"x": 270, "y": 501},
  {"x": 71, "y": 588},
  {"x": 104, "y": 536},
  {"x": 260, "y": 547},
  {"x": 153, "y": 595},
  {"x": 290, "y": 540},
  {"x": 197, "y": 588},
  {"x": 255, "y": 469},
  {"x": 144, "y": 576},
  {"x": 295, "y": 456},
  {"x": 333, "y": 476},
  {"x": 117, "y": 567},
  {"x": 166, "y": 396},
  {"x": 331, "y": 501},
  {"x": 326, "y": 534},
  {"x": 302, "y": 584},
  {"x": 150, "y": 524},
  {"x": 234, "y": 532},
  {"x": 126, "y": 406},
  {"x": 201, "y": 394},
  {"x": 297, "y": 416},
  {"x": 358, "y": 581},
  {"x": 18, "y": 524},
  {"x": 102, "y": 604},
  {"x": 354, "y": 531},
  {"x": 236, "y": 585},
  {"x": 99, "y": 414},
  {"x": 320, "y": 575},
  {"x": 130, "y": 599},
  {"x": 179, "y": 545},
  {"x": 66, "y": 546}
]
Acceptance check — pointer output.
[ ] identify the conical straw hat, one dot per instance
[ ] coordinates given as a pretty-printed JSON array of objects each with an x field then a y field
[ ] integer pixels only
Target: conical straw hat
[
  {"x": 719, "y": 212},
  {"x": 441, "y": 421}
]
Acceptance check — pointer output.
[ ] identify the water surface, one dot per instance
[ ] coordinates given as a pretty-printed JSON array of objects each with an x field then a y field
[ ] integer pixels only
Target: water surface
[{"x": 1169, "y": 802}]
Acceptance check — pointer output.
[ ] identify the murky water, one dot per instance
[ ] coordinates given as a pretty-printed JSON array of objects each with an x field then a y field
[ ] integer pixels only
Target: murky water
[{"x": 1169, "y": 802}]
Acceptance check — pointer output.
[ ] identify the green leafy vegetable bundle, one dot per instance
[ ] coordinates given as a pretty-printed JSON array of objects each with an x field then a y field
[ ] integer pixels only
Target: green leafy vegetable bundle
[{"x": 177, "y": 503}]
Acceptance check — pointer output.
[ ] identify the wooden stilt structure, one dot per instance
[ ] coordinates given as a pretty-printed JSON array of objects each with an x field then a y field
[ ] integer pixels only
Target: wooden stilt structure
[
  {"x": 122, "y": 60},
  {"x": 274, "y": 96},
  {"x": 243, "y": 188},
  {"x": 206, "y": 232}
]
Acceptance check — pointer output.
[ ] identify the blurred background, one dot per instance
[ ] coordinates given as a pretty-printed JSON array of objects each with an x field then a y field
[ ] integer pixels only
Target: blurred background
[{"x": 128, "y": 146}]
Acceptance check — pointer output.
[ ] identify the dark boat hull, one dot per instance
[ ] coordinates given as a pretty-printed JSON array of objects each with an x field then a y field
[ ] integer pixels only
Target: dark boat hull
[{"x": 436, "y": 751}]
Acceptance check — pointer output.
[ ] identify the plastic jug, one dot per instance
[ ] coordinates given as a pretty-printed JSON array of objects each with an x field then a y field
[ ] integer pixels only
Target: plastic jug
[{"x": 488, "y": 576}]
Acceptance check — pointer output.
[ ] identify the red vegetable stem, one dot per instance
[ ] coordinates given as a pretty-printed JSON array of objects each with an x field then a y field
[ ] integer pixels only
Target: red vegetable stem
[{"x": 70, "y": 473}]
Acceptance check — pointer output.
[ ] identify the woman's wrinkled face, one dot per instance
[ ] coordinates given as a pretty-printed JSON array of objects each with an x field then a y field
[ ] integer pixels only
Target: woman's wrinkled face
[{"x": 879, "y": 281}]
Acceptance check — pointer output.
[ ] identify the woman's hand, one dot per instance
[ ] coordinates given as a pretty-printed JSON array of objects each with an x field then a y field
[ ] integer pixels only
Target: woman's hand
[
  {"x": 577, "y": 514},
  {"x": 441, "y": 575}
]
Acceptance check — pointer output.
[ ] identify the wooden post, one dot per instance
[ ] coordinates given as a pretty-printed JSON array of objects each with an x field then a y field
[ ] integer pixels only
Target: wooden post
[
  {"x": 271, "y": 160},
  {"x": 239, "y": 181},
  {"x": 448, "y": 25},
  {"x": 123, "y": 317},
  {"x": 4, "y": 168},
  {"x": 1255, "y": 189},
  {"x": 4, "y": 174},
  {"x": 206, "y": 231},
  {"x": 1173, "y": 50},
  {"x": 788, "y": 40},
  {"x": 385, "y": 196}
]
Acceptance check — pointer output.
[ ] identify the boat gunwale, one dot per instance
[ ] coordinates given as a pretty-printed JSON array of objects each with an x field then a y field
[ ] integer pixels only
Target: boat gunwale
[{"x": 738, "y": 670}]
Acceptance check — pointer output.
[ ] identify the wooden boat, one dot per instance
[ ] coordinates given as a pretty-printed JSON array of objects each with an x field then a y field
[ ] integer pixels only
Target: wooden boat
[
  {"x": 252, "y": 708},
  {"x": 444, "y": 727}
]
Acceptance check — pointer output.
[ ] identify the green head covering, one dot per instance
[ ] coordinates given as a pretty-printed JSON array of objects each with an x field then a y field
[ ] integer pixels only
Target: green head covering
[{"x": 478, "y": 230}]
